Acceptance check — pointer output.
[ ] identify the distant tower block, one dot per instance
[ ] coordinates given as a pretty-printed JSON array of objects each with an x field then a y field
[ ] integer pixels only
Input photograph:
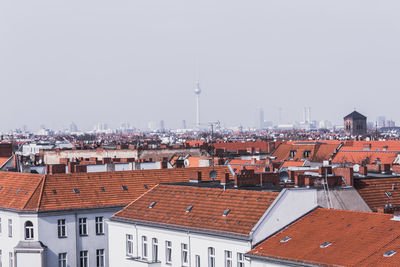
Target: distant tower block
[{"x": 197, "y": 92}]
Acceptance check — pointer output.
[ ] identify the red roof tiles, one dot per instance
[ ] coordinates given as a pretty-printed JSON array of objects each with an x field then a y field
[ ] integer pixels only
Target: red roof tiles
[
  {"x": 357, "y": 239},
  {"x": 93, "y": 190},
  {"x": 208, "y": 205}
]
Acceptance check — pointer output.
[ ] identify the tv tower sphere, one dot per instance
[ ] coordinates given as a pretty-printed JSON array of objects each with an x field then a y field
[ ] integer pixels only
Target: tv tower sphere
[{"x": 197, "y": 89}]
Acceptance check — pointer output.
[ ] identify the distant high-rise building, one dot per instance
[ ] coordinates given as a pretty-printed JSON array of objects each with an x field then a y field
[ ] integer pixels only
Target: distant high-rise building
[
  {"x": 184, "y": 124},
  {"x": 390, "y": 123},
  {"x": 355, "y": 124},
  {"x": 162, "y": 126},
  {"x": 73, "y": 128},
  {"x": 381, "y": 121},
  {"x": 259, "y": 118}
]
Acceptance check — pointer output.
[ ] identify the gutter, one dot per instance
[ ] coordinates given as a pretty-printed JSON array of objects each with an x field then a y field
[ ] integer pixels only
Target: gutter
[
  {"x": 280, "y": 261},
  {"x": 211, "y": 232}
]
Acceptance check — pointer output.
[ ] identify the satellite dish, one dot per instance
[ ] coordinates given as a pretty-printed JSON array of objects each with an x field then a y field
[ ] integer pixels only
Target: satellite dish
[
  {"x": 213, "y": 175},
  {"x": 186, "y": 163},
  {"x": 284, "y": 177}
]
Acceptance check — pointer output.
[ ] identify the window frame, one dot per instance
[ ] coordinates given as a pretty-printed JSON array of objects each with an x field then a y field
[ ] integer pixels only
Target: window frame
[
  {"x": 184, "y": 254},
  {"x": 154, "y": 249},
  {"x": 145, "y": 251},
  {"x": 83, "y": 227},
  {"x": 211, "y": 257},
  {"x": 28, "y": 230},
  {"x": 83, "y": 258},
  {"x": 240, "y": 259},
  {"x": 99, "y": 221},
  {"x": 168, "y": 252},
  {"x": 10, "y": 228},
  {"x": 62, "y": 261},
  {"x": 129, "y": 245},
  {"x": 61, "y": 228},
  {"x": 100, "y": 257},
  {"x": 228, "y": 258}
]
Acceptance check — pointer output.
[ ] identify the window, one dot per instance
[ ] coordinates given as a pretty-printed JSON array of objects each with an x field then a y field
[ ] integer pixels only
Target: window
[
  {"x": 10, "y": 233},
  {"x": 152, "y": 205},
  {"x": 292, "y": 153},
  {"x": 197, "y": 261},
  {"x": 389, "y": 253},
  {"x": 0, "y": 229},
  {"x": 99, "y": 257},
  {"x": 185, "y": 254},
  {"x": 240, "y": 260},
  {"x": 325, "y": 244},
  {"x": 83, "y": 258},
  {"x": 129, "y": 245},
  {"x": 82, "y": 226},
  {"x": 211, "y": 257},
  {"x": 168, "y": 252},
  {"x": 61, "y": 228},
  {"x": 285, "y": 239},
  {"x": 99, "y": 226},
  {"x": 62, "y": 260},
  {"x": 228, "y": 258},
  {"x": 11, "y": 259},
  {"x": 28, "y": 230},
  {"x": 155, "y": 249},
  {"x": 144, "y": 247},
  {"x": 1, "y": 258},
  {"x": 306, "y": 153}
]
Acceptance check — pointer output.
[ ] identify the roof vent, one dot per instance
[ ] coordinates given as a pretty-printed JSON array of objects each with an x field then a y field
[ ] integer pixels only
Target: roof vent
[
  {"x": 152, "y": 205},
  {"x": 189, "y": 208},
  {"x": 388, "y": 194},
  {"x": 19, "y": 190},
  {"x": 226, "y": 212},
  {"x": 76, "y": 190},
  {"x": 325, "y": 244},
  {"x": 1, "y": 187},
  {"x": 102, "y": 189},
  {"x": 285, "y": 239},
  {"x": 124, "y": 187},
  {"x": 389, "y": 253},
  {"x": 55, "y": 192},
  {"x": 146, "y": 187}
]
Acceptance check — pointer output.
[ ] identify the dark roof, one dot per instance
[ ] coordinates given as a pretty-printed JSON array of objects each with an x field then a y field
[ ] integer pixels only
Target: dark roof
[{"x": 355, "y": 115}]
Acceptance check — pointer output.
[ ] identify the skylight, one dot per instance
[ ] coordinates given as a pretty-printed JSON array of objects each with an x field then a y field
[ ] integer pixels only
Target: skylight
[
  {"x": 152, "y": 205},
  {"x": 76, "y": 190},
  {"x": 226, "y": 212},
  {"x": 389, "y": 253},
  {"x": 55, "y": 192},
  {"x": 325, "y": 244},
  {"x": 189, "y": 208},
  {"x": 285, "y": 239},
  {"x": 19, "y": 190},
  {"x": 124, "y": 187},
  {"x": 388, "y": 194},
  {"x": 146, "y": 187},
  {"x": 102, "y": 189}
]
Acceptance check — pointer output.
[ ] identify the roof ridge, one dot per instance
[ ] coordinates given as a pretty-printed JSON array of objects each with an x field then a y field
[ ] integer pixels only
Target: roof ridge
[
  {"x": 33, "y": 192},
  {"x": 41, "y": 193},
  {"x": 151, "y": 189}
]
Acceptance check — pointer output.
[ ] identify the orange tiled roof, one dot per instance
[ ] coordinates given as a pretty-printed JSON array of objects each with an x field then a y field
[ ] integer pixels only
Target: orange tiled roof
[
  {"x": 357, "y": 239},
  {"x": 318, "y": 152},
  {"x": 373, "y": 191},
  {"x": 102, "y": 189},
  {"x": 3, "y": 160},
  {"x": 293, "y": 163},
  {"x": 357, "y": 157},
  {"x": 171, "y": 202},
  {"x": 392, "y": 145}
]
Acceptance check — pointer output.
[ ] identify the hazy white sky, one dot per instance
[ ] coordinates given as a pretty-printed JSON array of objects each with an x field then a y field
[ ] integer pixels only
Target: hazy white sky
[{"x": 95, "y": 60}]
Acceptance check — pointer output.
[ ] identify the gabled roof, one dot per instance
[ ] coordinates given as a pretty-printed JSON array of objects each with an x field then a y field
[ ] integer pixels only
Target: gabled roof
[
  {"x": 318, "y": 151},
  {"x": 355, "y": 239},
  {"x": 357, "y": 157},
  {"x": 373, "y": 191},
  {"x": 355, "y": 115},
  {"x": 56, "y": 192},
  {"x": 244, "y": 208}
]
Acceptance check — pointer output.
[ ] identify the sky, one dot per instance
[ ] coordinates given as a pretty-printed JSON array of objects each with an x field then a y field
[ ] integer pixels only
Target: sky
[{"x": 91, "y": 61}]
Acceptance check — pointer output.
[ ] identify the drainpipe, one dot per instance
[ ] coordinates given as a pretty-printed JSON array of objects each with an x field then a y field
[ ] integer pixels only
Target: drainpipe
[
  {"x": 190, "y": 249},
  {"x": 137, "y": 241},
  {"x": 76, "y": 239}
]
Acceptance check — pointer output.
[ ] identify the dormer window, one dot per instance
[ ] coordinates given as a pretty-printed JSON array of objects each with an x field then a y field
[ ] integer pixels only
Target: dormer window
[
  {"x": 292, "y": 153},
  {"x": 28, "y": 230},
  {"x": 306, "y": 153}
]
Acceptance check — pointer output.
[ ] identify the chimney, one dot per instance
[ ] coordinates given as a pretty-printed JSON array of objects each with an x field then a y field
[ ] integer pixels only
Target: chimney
[{"x": 196, "y": 178}]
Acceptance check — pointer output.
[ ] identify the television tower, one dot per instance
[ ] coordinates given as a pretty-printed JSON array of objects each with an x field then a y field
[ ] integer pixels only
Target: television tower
[{"x": 197, "y": 92}]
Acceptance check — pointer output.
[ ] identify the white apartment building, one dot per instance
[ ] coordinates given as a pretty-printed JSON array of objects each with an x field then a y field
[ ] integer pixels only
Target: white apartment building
[{"x": 179, "y": 225}]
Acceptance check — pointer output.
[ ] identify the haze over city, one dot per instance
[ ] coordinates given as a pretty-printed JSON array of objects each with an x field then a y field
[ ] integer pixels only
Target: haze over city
[{"x": 137, "y": 61}]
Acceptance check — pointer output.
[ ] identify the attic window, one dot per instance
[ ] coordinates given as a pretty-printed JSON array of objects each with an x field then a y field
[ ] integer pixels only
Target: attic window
[
  {"x": 285, "y": 239},
  {"x": 152, "y": 205},
  {"x": 146, "y": 187},
  {"x": 55, "y": 192},
  {"x": 388, "y": 194},
  {"x": 189, "y": 208},
  {"x": 389, "y": 253},
  {"x": 226, "y": 212},
  {"x": 325, "y": 244},
  {"x": 76, "y": 190},
  {"x": 306, "y": 153},
  {"x": 292, "y": 153},
  {"x": 102, "y": 189},
  {"x": 124, "y": 188},
  {"x": 19, "y": 190}
]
